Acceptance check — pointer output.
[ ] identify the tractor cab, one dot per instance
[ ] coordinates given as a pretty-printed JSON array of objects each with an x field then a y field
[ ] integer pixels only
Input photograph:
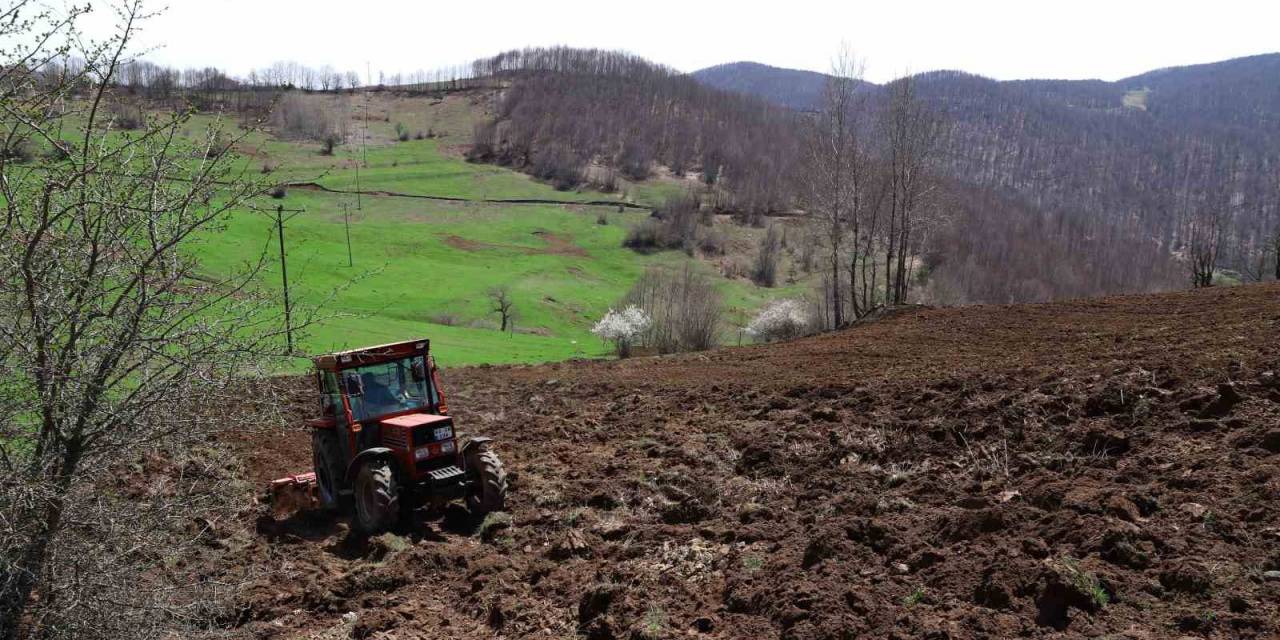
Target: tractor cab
[{"x": 384, "y": 440}]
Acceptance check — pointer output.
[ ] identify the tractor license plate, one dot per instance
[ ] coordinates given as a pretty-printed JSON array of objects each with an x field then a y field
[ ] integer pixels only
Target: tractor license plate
[{"x": 442, "y": 433}]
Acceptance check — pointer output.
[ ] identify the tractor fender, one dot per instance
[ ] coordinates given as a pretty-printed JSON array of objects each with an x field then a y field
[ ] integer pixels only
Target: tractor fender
[
  {"x": 474, "y": 442},
  {"x": 365, "y": 456}
]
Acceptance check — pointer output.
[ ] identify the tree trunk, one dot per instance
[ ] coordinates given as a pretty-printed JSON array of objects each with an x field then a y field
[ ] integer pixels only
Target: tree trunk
[{"x": 837, "y": 308}]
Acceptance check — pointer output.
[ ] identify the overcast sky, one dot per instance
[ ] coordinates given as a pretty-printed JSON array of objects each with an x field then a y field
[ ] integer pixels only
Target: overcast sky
[{"x": 1003, "y": 39}]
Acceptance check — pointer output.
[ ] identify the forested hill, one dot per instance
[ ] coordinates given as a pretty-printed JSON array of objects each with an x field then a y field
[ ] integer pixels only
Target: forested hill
[
  {"x": 791, "y": 88},
  {"x": 1036, "y": 189},
  {"x": 1232, "y": 91},
  {"x": 1167, "y": 155}
]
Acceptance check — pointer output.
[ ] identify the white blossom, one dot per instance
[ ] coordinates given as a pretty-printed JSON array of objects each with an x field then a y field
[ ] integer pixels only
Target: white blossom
[
  {"x": 779, "y": 320},
  {"x": 621, "y": 327}
]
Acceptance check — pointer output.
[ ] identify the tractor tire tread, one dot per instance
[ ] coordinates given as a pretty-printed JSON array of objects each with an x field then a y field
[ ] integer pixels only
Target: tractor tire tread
[
  {"x": 493, "y": 480},
  {"x": 385, "y": 497},
  {"x": 324, "y": 447}
]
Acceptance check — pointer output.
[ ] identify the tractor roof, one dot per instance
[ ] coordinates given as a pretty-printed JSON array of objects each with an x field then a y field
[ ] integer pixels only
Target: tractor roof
[{"x": 370, "y": 355}]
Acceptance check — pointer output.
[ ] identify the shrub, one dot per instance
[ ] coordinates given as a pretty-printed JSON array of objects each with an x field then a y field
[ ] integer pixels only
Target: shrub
[
  {"x": 19, "y": 151},
  {"x": 645, "y": 236},
  {"x": 327, "y": 145},
  {"x": 602, "y": 219},
  {"x": 622, "y": 328},
  {"x": 675, "y": 225},
  {"x": 732, "y": 268},
  {"x": 58, "y": 152},
  {"x": 780, "y": 320},
  {"x": 684, "y": 306},
  {"x": 765, "y": 272},
  {"x": 279, "y": 192},
  {"x": 125, "y": 117},
  {"x": 711, "y": 242},
  {"x": 402, "y": 132},
  {"x": 558, "y": 165},
  {"x": 218, "y": 145}
]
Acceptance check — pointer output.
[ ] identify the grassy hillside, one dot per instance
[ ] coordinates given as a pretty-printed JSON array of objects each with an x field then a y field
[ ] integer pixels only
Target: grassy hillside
[{"x": 422, "y": 267}]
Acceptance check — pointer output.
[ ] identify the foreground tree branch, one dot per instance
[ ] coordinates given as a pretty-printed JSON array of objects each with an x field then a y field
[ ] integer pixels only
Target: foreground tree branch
[{"x": 108, "y": 327}]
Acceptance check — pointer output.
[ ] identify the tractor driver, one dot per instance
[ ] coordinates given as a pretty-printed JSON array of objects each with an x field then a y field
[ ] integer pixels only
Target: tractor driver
[{"x": 380, "y": 398}]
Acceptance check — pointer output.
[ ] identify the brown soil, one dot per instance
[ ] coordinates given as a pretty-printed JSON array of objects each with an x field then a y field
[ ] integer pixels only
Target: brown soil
[
  {"x": 1081, "y": 469},
  {"x": 559, "y": 245}
]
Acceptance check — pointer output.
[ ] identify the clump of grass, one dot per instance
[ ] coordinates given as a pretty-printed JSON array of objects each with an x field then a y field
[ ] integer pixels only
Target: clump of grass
[
  {"x": 571, "y": 519},
  {"x": 753, "y": 563},
  {"x": 1210, "y": 520},
  {"x": 654, "y": 623},
  {"x": 393, "y": 542},
  {"x": 493, "y": 523},
  {"x": 914, "y": 598},
  {"x": 1086, "y": 582}
]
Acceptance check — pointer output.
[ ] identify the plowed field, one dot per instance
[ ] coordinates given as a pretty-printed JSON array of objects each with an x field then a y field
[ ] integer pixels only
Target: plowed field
[{"x": 1093, "y": 468}]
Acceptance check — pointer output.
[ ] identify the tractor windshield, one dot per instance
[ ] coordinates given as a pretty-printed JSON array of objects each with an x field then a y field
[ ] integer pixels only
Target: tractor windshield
[{"x": 389, "y": 387}]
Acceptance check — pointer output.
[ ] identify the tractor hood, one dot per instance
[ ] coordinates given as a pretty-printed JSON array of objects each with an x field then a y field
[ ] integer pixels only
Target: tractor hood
[
  {"x": 413, "y": 420},
  {"x": 417, "y": 431}
]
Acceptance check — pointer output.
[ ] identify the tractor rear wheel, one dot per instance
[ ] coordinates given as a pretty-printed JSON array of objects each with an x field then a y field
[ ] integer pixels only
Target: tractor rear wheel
[
  {"x": 489, "y": 480},
  {"x": 325, "y": 458},
  {"x": 377, "y": 497}
]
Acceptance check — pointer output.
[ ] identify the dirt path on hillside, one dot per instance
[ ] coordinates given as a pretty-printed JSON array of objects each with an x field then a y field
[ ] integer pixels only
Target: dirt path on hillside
[
  {"x": 557, "y": 244},
  {"x": 315, "y": 186},
  {"x": 1082, "y": 469}
]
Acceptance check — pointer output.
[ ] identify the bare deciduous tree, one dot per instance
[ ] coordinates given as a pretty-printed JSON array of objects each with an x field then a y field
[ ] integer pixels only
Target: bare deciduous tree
[
  {"x": 501, "y": 303},
  {"x": 834, "y": 164},
  {"x": 107, "y": 328},
  {"x": 911, "y": 132}
]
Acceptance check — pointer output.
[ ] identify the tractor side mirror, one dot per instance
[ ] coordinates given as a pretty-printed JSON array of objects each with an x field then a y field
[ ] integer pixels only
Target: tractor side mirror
[
  {"x": 419, "y": 371},
  {"x": 352, "y": 384}
]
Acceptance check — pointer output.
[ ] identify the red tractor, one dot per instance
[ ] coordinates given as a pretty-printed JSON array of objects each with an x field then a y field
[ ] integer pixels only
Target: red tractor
[{"x": 385, "y": 442}]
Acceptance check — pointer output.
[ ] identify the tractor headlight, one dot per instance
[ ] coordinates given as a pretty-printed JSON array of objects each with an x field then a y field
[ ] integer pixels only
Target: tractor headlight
[
  {"x": 421, "y": 454},
  {"x": 446, "y": 447}
]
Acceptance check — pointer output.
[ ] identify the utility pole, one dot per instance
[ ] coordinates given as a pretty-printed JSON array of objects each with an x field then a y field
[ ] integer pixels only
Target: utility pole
[
  {"x": 284, "y": 271},
  {"x": 346, "y": 222}
]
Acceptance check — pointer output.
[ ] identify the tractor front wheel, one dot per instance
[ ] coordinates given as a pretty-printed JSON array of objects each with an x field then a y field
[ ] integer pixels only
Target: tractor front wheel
[
  {"x": 377, "y": 497},
  {"x": 488, "y": 480},
  {"x": 325, "y": 456}
]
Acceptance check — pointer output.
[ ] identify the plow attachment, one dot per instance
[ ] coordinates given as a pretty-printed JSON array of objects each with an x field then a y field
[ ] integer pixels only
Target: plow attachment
[{"x": 292, "y": 494}]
